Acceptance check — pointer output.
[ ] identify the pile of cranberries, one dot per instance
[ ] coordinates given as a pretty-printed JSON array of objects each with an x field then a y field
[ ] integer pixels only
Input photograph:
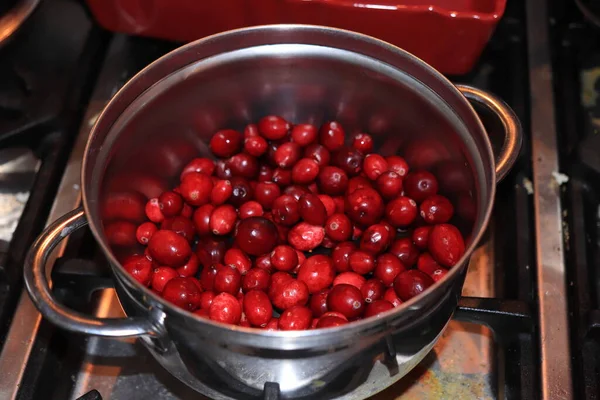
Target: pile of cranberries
[{"x": 292, "y": 228}]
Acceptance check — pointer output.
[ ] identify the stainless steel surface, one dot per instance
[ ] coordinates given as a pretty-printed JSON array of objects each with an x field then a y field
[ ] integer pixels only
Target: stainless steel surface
[
  {"x": 24, "y": 328},
  {"x": 184, "y": 94},
  {"x": 551, "y": 271},
  {"x": 14, "y": 18}
]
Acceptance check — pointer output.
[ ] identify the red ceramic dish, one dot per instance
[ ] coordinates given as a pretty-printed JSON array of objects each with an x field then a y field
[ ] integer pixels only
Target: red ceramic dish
[{"x": 448, "y": 34}]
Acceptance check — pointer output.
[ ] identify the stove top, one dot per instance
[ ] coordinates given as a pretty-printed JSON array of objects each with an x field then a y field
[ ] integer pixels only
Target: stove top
[{"x": 516, "y": 288}]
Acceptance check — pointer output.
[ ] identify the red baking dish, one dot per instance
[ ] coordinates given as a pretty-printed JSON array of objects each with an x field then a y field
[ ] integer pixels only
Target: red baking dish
[{"x": 448, "y": 34}]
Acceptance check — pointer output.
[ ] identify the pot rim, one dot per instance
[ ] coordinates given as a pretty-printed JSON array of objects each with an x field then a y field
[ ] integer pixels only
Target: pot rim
[{"x": 364, "y": 324}]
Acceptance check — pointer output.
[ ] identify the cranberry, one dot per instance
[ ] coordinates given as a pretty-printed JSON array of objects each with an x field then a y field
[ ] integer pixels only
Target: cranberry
[
  {"x": 161, "y": 276},
  {"x": 389, "y": 184},
  {"x": 287, "y": 155},
  {"x": 296, "y": 318},
  {"x": 169, "y": 248},
  {"x": 304, "y": 134},
  {"x": 338, "y": 227},
  {"x": 204, "y": 166},
  {"x": 312, "y": 210},
  {"x": 427, "y": 264},
  {"x": 228, "y": 279},
  {"x": 201, "y": 219},
  {"x": 330, "y": 322},
  {"x": 255, "y": 145},
  {"x": 375, "y": 239},
  {"x": 401, "y": 211},
  {"x": 347, "y": 300},
  {"x": 196, "y": 188},
  {"x": 350, "y": 278},
  {"x": 251, "y": 130},
  {"x": 272, "y": 325},
  {"x": 153, "y": 211},
  {"x": 318, "y": 303},
  {"x": 329, "y": 203},
  {"x": 363, "y": 142},
  {"x": 180, "y": 225},
  {"x": 438, "y": 274},
  {"x": 256, "y": 235},
  {"x": 144, "y": 232},
  {"x": 243, "y": 165},
  {"x": 332, "y": 136},
  {"x": 282, "y": 177},
  {"x": 305, "y": 171},
  {"x": 333, "y": 180},
  {"x": 182, "y": 292},
  {"x": 446, "y": 244},
  {"x": 436, "y": 209},
  {"x": 420, "y": 236},
  {"x": 266, "y": 193},
  {"x": 187, "y": 211},
  {"x": 222, "y": 219},
  {"x": 296, "y": 191},
  {"x": 398, "y": 165},
  {"x": 318, "y": 153},
  {"x": 190, "y": 268},
  {"x": 411, "y": 283},
  {"x": 356, "y": 232},
  {"x": 265, "y": 173},
  {"x": 361, "y": 262},
  {"x": 211, "y": 250},
  {"x": 341, "y": 254},
  {"x": 288, "y": 294},
  {"x": 349, "y": 160},
  {"x": 225, "y": 143},
  {"x": 225, "y": 308},
  {"x": 284, "y": 258},
  {"x": 221, "y": 192},
  {"x": 358, "y": 182},
  {"x": 391, "y": 296},
  {"x": 306, "y": 237},
  {"x": 317, "y": 272},
  {"x": 140, "y": 268},
  {"x": 374, "y": 165},
  {"x": 388, "y": 267},
  {"x": 419, "y": 185},
  {"x": 273, "y": 127},
  {"x": 405, "y": 250},
  {"x": 264, "y": 262},
  {"x": 339, "y": 204},
  {"x": 256, "y": 279},
  {"x": 170, "y": 203},
  {"x": 377, "y": 307},
  {"x": 206, "y": 299},
  {"x": 241, "y": 193},
  {"x": 238, "y": 259},
  {"x": 250, "y": 209},
  {"x": 372, "y": 290},
  {"x": 364, "y": 206},
  {"x": 222, "y": 170},
  {"x": 258, "y": 308}
]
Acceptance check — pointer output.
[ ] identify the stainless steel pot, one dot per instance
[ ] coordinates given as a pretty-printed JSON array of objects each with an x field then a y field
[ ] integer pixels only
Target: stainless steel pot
[{"x": 164, "y": 116}]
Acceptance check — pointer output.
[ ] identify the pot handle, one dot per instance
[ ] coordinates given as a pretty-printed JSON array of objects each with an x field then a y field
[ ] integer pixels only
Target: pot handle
[
  {"x": 513, "y": 132},
  {"x": 39, "y": 289}
]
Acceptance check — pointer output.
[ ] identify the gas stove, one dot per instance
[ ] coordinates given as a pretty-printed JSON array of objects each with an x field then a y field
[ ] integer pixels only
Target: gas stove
[{"x": 527, "y": 326}]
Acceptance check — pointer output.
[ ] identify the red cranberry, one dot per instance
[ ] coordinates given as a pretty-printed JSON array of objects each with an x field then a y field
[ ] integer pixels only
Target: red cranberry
[
  {"x": 329, "y": 203},
  {"x": 161, "y": 276},
  {"x": 206, "y": 299},
  {"x": 361, "y": 262},
  {"x": 196, "y": 188},
  {"x": 201, "y": 219},
  {"x": 221, "y": 192},
  {"x": 287, "y": 155},
  {"x": 349, "y": 160},
  {"x": 258, "y": 308},
  {"x": 204, "y": 166},
  {"x": 318, "y": 153},
  {"x": 347, "y": 300},
  {"x": 333, "y": 180},
  {"x": 312, "y": 210},
  {"x": 389, "y": 184},
  {"x": 304, "y": 134},
  {"x": 180, "y": 225},
  {"x": 375, "y": 239},
  {"x": 266, "y": 193},
  {"x": 306, "y": 237},
  {"x": 264, "y": 262},
  {"x": 296, "y": 318},
  {"x": 187, "y": 211},
  {"x": 288, "y": 294},
  {"x": 296, "y": 191},
  {"x": 153, "y": 211},
  {"x": 140, "y": 268},
  {"x": 350, "y": 278},
  {"x": 256, "y": 235},
  {"x": 169, "y": 248},
  {"x": 427, "y": 264},
  {"x": 317, "y": 272},
  {"x": 377, "y": 307},
  {"x": 243, "y": 165},
  {"x": 222, "y": 219},
  {"x": 256, "y": 279},
  {"x": 241, "y": 193},
  {"x": 225, "y": 308},
  {"x": 339, "y": 204},
  {"x": 144, "y": 232},
  {"x": 251, "y": 130},
  {"x": 419, "y": 185},
  {"x": 265, "y": 173},
  {"x": 438, "y": 274},
  {"x": 411, "y": 283},
  {"x": 255, "y": 146},
  {"x": 436, "y": 209},
  {"x": 305, "y": 171},
  {"x": 182, "y": 292},
  {"x": 284, "y": 258},
  {"x": 374, "y": 165},
  {"x": 363, "y": 142},
  {"x": 398, "y": 165},
  {"x": 272, "y": 325},
  {"x": 238, "y": 259},
  {"x": 331, "y": 135},
  {"x": 341, "y": 255},
  {"x": 277, "y": 280},
  {"x": 190, "y": 268},
  {"x": 401, "y": 211},
  {"x": 282, "y": 177},
  {"x": 318, "y": 303},
  {"x": 372, "y": 290},
  {"x": 273, "y": 127},
  {"x": 338, "y": 227},
  {"x": 364, "y": 206},
  {"x": 391, "y": 296},
  {"x": 228, "y": 279},
  {"x": 226, "y": 143},
  {"x": 207, "y": 276},
  {"x": 330, "y": 322},
  {"x": 358, "y": 182},
  {"x": 170, "y": 203},
  {"x": 250, "y": 209},
  {"x": 405, "y": 250},
  {"x": 388, "y": 267},
  {"x": 420, "y": 236},
  {"x": 446, "y": 244},
  {"x": 356, "y": 232},
  {"x": 222, "y": 170},
  {"x": 211, "y": 250}
]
